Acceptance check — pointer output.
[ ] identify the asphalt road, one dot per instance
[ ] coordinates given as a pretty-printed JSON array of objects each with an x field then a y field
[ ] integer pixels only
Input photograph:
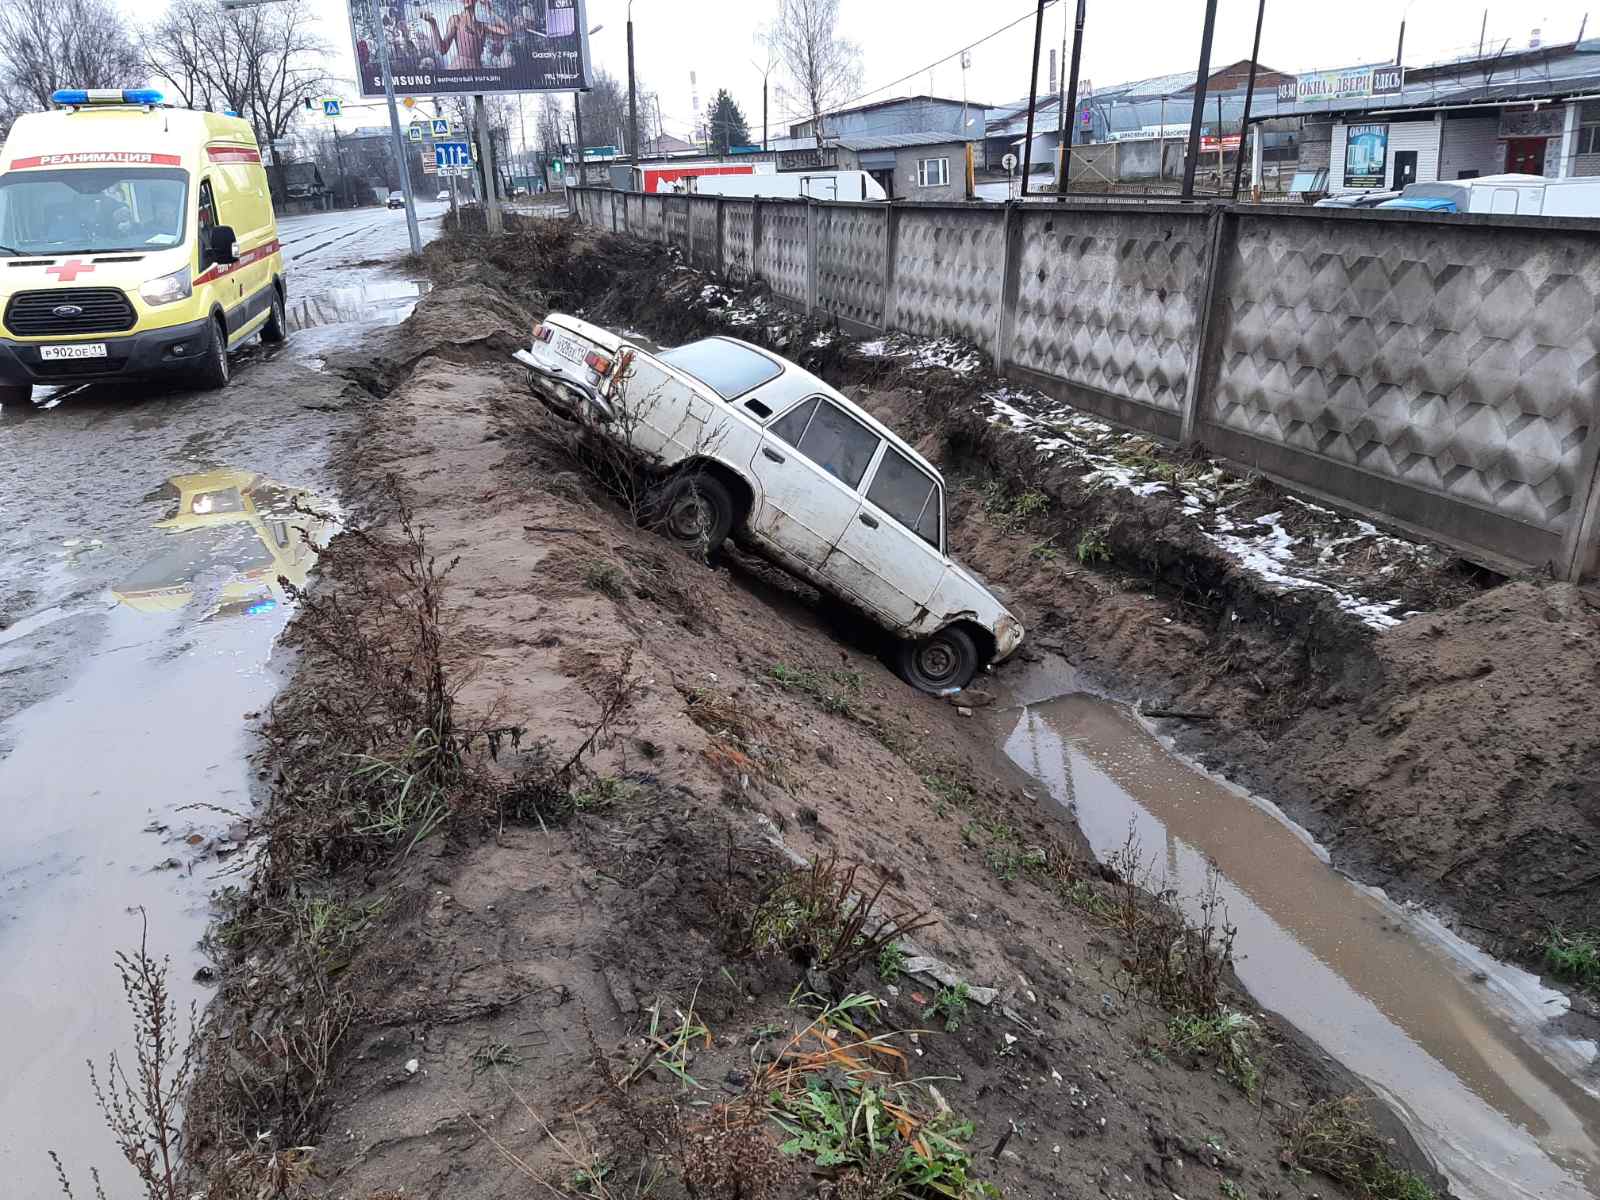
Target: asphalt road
[{"x": 135, "y": 639}]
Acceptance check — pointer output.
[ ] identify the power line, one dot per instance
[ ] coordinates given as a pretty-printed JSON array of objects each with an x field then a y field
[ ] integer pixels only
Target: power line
[{"x": 1027, "y": 16}]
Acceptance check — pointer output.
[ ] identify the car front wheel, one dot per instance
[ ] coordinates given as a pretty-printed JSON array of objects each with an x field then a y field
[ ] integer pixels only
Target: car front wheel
[
  {"x": 945, "y": 662},
  {"x": 214, "y": 368},
  {"x": 694, "y": 510}
]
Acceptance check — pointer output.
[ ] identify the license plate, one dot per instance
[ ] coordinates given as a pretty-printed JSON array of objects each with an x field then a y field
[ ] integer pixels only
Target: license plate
[
  {"x": 81, "y": 350},
  {"x": 570, "y": 350}
]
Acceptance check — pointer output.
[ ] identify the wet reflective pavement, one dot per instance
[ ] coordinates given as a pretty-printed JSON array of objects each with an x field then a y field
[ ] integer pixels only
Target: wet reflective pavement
[
  {"x": 1461, "y": 1045},
  {"x": 143, "y": 534}
]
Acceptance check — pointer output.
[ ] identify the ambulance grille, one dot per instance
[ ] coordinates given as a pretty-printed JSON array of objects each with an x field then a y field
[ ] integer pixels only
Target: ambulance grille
[{"x": 36, "y": 314}]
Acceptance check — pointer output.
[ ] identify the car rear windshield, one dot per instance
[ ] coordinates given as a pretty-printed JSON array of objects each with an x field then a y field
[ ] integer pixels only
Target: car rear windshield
[
  {"x": 95, "y": 209},
  {"x": 727, "y": 368}
]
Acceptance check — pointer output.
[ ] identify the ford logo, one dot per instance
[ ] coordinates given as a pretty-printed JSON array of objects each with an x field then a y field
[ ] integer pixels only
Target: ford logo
[{"x": 67, "y": 310}]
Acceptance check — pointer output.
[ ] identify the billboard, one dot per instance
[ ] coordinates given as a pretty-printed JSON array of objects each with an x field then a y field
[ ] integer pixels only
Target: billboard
[
  {"x": 1358, "y": 83},
  {"x": 1366, "y": 156},
  {"x": 472, "y": 47}
]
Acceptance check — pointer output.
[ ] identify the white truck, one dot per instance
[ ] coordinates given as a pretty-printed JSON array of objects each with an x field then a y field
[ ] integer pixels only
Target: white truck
[
  {"x": 815, "y": 185},
  {"x": 746, "y": 444}
]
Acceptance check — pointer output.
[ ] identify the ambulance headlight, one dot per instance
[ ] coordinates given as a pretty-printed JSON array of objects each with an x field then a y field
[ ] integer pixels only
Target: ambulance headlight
[{"x": 168, "y": 289}]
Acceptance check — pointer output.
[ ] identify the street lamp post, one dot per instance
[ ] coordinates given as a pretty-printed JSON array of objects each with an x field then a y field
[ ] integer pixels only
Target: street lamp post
[
  {"x": 633, "y": 95},
  {"x": 394, "y": 129}
]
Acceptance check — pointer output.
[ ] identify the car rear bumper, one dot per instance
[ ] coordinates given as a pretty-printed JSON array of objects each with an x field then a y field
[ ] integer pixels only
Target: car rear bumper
[
  {"x": 1008, "y": 635},
  {"x": 569, "y": 396},
  {"x": 152, "y": 352}
]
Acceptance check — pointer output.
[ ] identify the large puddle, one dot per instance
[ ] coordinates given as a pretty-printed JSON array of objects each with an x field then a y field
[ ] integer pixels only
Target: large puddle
[
  {"x": 1461, "y": 1045},
  {"x": 100, "y": 788}
]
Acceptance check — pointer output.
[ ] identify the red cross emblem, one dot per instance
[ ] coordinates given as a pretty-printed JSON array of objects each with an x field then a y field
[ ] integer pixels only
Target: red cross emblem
[{"x": 68, "y": 271}]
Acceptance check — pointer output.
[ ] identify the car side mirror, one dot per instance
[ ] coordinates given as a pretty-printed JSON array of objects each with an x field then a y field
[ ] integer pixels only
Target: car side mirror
[{"x": 224, "y": 245}]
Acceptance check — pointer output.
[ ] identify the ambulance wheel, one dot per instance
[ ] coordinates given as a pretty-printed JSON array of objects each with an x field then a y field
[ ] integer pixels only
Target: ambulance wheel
[
  {"x": 19, "y": 394},
  {"x": 277, "y": 327},
  {"x": 214, "y": 368}
]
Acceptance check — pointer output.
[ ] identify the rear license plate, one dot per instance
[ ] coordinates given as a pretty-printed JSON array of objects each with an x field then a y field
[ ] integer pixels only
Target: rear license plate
[
  {"x": 81, "y": 350},
  {"x": 570, "y": 350}
]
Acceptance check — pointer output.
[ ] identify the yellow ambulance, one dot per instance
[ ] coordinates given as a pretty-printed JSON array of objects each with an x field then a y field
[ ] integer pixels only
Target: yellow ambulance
[{"x": 136, "y": 241}]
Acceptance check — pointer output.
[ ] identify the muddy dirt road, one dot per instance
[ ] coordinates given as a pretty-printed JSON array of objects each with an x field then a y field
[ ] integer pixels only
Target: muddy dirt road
[{"x": 141, "y": 535}]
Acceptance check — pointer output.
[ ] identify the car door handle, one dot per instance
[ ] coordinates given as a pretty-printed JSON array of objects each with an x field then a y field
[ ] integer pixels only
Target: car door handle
[
  {"x": 869, "y": 522},
  {"x": 772, "y": 454}
]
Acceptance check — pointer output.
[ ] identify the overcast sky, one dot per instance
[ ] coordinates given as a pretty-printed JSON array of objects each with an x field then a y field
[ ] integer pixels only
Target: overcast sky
[{"x": 1123, "y": 40}]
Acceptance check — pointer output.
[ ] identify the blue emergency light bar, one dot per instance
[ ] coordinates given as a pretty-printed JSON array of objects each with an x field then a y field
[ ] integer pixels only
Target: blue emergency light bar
[{"x": 80, "y": 97}]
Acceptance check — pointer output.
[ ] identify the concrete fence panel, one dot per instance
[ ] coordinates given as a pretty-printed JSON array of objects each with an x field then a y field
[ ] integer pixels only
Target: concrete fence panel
[
  {"x": 1108, "y": 308},
  {"x": 654, "y": 228},
  {"x": 677, "y": 221},
  {"x": 703, "y": 232},
  {"x": 850, "y": 279},
  {"x": 1440, "y": 372},
  {"x": 738, "y": 232},
  {"x": 781, "y": 257},
  {"x": 633, "y": 213},
  {"x": 950, "y": 271}
]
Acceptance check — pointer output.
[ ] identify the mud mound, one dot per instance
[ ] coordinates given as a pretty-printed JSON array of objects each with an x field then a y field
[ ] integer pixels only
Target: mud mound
[
  {"x": 461, "y": 323},
  {"x": 1476, "y": 766}
]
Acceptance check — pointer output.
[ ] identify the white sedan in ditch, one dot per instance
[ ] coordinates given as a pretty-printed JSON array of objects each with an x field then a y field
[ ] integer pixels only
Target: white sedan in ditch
[{"x": 748, "y": 444}]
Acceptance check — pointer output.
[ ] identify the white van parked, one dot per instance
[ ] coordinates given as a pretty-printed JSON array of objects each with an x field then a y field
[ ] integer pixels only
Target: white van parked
[{"x": 792, "y": 185}]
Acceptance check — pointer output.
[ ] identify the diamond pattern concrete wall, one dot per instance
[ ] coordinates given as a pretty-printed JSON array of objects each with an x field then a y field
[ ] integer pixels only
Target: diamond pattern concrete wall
[
  {"x": 949, "y": 272},
  {"x": 655, "y": 219},
  {"x": 737, "y": 223},
  {"x": 781, "y": 258},
  {"x": 1111, "y": 300},
  {"x": 850, "y": 246},
  {"x": 633, "y": 214},
  {"x": 677, "y": 221},
  {"x": 1456, "y": 359},
  {"x": 703, "y": 232}
]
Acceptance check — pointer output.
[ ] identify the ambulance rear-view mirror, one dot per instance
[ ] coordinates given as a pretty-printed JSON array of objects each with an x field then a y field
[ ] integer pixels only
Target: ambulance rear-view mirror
[{"x": 224, "y": 246}]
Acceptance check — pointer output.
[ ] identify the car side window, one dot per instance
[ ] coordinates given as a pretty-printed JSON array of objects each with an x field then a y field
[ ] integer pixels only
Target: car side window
[
  {"x": 837, "y": 442},
  {"x": 908, "y": 494},
  {"x": 792, "y": 425}
]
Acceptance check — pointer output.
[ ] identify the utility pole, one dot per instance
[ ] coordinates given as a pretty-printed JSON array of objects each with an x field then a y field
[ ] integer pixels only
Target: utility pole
[
  {"x": 1244, "y": 123},
  {"x": 382, "y": 38},
  {"x": 577, "y": 133},
  {"x": 633, "y": 94},
  {"x": 1061, "y": 112},
  {"x": 1197, "y": 114},
  {"x": 1400, "y": 50},
  {"x": 1071, "y": 134},
  {"x": 486, "y": 161},
  {"x": 438, "y": 111}
]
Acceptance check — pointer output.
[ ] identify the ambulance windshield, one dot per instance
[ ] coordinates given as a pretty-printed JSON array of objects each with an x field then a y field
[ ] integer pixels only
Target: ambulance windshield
[{"x": 91, "y": 210}]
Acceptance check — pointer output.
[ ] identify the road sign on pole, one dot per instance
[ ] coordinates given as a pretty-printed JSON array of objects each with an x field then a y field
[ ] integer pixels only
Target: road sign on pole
[
  {"x": 414, "y": 132},
  {"x": 456, "y": 156},
  {"x": 441, "y": 127},
  {"x": 332, "y": 107}
]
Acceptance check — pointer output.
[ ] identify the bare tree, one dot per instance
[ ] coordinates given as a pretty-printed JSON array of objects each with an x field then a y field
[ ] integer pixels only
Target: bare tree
[
  {"x": 263, "y": 62},
  {"x": 63, "y": 44},
  {"x": 825, "y": 67}
]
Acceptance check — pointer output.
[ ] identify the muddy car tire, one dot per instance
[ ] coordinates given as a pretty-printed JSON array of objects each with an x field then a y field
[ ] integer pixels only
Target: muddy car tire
[
  {"x": 696, "y": 511},
  {"x": 19, "y": 395},
  {"x": 276, "y": 329},
  {"x": 214, "y": 370},
  {"x": 945, "y": 662}
]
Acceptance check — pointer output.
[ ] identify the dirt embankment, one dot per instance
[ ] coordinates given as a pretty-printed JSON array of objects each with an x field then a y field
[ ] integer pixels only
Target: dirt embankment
[
  {"x": 1448, "y": 757},
  {"x": 588, "y": 963}
]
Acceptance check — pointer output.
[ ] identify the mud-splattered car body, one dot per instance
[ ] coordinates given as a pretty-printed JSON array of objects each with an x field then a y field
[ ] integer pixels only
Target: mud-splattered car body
[{"x": 749, "y": 444}]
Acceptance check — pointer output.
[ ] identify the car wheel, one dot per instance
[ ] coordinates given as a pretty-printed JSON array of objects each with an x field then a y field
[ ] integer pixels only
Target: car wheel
[
  {"x": 277, "y": 327},
  {"x": 18, "y": 394},
  {"x": 214, "y": 369},
  {"x": 694, "y": 510},
  {"x": 945, "y": 662}
]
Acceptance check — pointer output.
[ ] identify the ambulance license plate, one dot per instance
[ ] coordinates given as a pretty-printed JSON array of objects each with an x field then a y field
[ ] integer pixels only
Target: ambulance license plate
[{"x": 80, "y": 350}]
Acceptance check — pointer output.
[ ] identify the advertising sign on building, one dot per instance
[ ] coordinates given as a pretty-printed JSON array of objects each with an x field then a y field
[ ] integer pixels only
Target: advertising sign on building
[
  {"x": 1541, "y": 122},
  {"x": 472, "y": 47},
  {"x": 1366, "y": 156},
  {"x": 1358, "y": 83},
  {"x": 1210, "y": 145}
]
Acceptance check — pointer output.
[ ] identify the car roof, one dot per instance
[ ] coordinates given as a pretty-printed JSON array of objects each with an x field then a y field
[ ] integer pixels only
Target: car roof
[{"x": 796, "y": 383}]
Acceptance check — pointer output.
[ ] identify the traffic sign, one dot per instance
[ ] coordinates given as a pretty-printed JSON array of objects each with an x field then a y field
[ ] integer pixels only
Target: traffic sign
[
  {"x": 414, "y": 133},
  {"x": 441, "y": 127},
  {"x": 452, "y": 154},
  {"x": 332, "y": 108},
  {"x": 1009, "y": 162}
]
